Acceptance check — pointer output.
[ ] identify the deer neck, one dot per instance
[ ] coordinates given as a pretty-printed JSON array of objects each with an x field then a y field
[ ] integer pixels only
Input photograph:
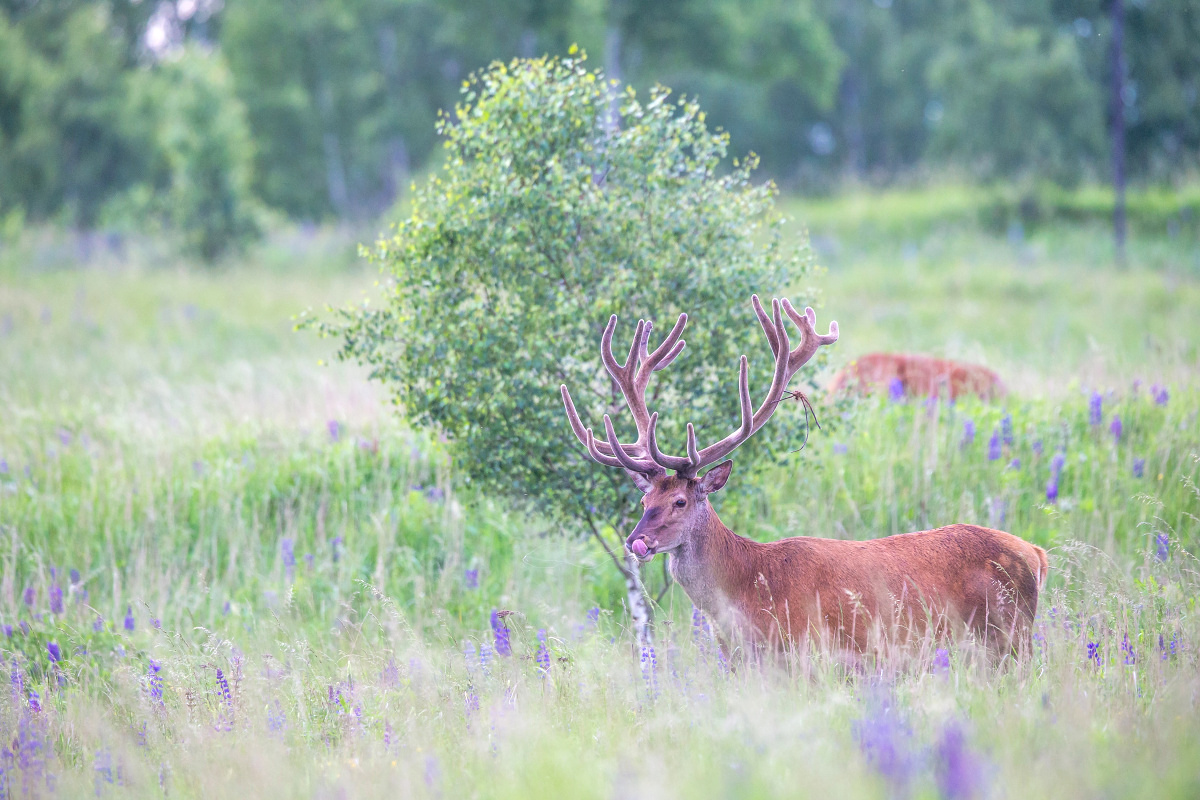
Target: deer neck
[{"x": 714, "y": 565}]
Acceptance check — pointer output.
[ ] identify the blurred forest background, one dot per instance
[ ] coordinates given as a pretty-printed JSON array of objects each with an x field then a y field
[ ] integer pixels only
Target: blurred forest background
[{"x": 214, "y": 121}]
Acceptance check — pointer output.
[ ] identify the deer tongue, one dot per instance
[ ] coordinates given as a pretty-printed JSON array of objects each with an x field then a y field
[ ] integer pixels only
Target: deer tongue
[{"x": 639, "y": 548}]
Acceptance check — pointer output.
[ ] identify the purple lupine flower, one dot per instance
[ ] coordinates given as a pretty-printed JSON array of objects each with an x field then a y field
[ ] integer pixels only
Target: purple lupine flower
[
  {"x": 1168, "y": 650},
  {"x": 1057, "y": 463},
  {"x": 287, "y": 548},
  {"x": 74, "y": 577},
  {"x": 64, "y": 436},
  {"x": 1139, "y": 467},
  {"x": 8, "y": 631},
  {"x": 335, "y": 429},
  {"x": 1006, "y": 429},
  {"x": 1052, "y": 491},
  {"x": 885, "y": 741},
  {"x": 129, "y": 623},
  {"x": 225, "y": 701},
  {"x": 649, "y": 663},
  {"x": 1127, "y": 649},
  {"x": 16, "y": 680},
  {"x": 3, "y": 466},
  {"x": 1115, "y": 428},
  {"x": 500, "y": 634},
  {"x": 56, "y": 598},
  {"x": 840, "y": 449},
  {"x": 276, "y": 719},
  {"x": 471, "y": 578},
  {"x": 154, "y": 682},
  {"x": 941, "y": 661},
  {"x": 225, "y": 609},
  {"x": 1096, "y": 409},
  {"x": 1093, "y": 652},
  {"x": 993, "y": 452},
  {"x": 1014, "y": 464},
  {"x": 54, "y": 651},
  {"x": 387, "y": 736},
  {"x": 337, "y": 543},
  {"x": 485, "y": 655},
  {"x": 1163, "y": 546},
  {"x": 958, "y": 771},
  {"x": 895, "y": 390},
  {"x": 1037, "y": 448},
  {"x": 310, "y": 561},
  {"x": 30, "y": 595},
  {"x": 542, "y": 657},
  {"x": 1160, "y": 394},
  {"x": 35, "y": 701},
  {"x": 471, "y": 704},
  {"x": 968, "y": 437},
  {"x": 593, "y": 615},
  {"x": 98, "y": 624}
]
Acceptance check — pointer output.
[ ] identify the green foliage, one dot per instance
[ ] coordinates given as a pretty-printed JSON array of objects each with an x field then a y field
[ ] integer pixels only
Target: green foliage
[
  {"x": 1017, "y": 100},
  {"x": 205, "y": 142},
  {"x": 543, "y": 223}
]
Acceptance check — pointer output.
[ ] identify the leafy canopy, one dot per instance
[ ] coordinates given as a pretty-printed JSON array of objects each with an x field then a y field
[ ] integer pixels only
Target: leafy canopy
[{"x": 546, "y": 218}]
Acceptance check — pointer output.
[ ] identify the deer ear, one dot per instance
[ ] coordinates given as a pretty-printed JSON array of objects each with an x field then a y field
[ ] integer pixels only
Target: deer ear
[
  {"x": 715, "y": 478},
  {"x": 641, "y": 481}
]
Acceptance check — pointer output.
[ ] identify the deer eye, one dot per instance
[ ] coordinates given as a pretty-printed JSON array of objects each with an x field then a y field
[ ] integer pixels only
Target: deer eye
[{"x": 680, "y": 503}]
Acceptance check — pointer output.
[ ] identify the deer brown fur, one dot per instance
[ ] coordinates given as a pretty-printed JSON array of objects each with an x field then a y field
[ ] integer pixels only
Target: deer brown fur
[
  {"x": 919, "y": 375},
  {"x": 945, "y": 582}
]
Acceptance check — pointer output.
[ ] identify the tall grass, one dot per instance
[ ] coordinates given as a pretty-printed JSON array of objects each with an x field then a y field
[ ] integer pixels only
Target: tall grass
[{"x": 256, "y": 581}]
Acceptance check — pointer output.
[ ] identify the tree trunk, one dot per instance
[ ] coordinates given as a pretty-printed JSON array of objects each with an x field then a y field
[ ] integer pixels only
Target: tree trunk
[
  {"x": 1118, "y": 126},
  {"x": 639, "y": 604}
]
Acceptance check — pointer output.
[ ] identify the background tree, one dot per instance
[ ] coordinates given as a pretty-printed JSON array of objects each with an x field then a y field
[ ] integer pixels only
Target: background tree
[{"x": 544, "y": 221}]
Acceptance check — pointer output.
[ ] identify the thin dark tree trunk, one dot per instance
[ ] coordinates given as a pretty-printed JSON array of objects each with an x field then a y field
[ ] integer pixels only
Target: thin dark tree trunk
[{"x": 1118, "y": 126}]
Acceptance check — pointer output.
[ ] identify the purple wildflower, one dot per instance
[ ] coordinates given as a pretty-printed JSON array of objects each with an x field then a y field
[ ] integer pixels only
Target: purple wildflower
[
  {"x": 54, "y": 651},
  {"x": 895, "y": 390},
  {"x": 64, "y": 436},
  {"x": 74, "y": 577},
  {"x": 1160, "y": 394},
  {"x": 993, "y": 452},
  {"x": 1057, "y": 463},
  {"x": 337, "y": 543},
  {"x": 1014, "y": 464},
  {"x": 885, "y": 741},
  {"x": 1006, "y": 429},
  {"x": 30, "y": 595},
  {"x": 154, "y": 682},
  {"x": 500, "y": 635},
  {"x": 1163, "y": 546},
  {"x": 225, "y": 701},
  {"x": 959, "y": 772},
  {"x": 1139, "y": 467},
  {"x": 471, "y": 578},
  {"x": 1037, "y": 448},
  {"x": 276, "y": 719},
  {"x": 1127, "y": 649},
  {"x": 593, "y": 615},
  {"x": 1052, "y": 491},
  {"x": 471, "y": 703},
  {"x": 968, "y": 437},
  {"x": 1093, "y": 652},
  {"x": 35, "y": 701},
  {"x": 98, "y": 624},
  {"x": 542, "y": 657},
  {"x": 941, "y": 661},
  {"x": 1168, "y": 649},
  {"x": 129, "y": 624},
  {"x": 839, "y": 449},
  {"x": 287, "y": 548},
  {"x": 1096, "y": 409},
  {"x": 56, "y": 598},
  {"x": 335, "y": 429},
  {"x": 8, "y": 631},
  {"x": 649, "y": 662},
  {"x": 16, "y": 680},
  {"x": 1115, "y": 428},
  {"x": 485, "y": 655},
  {"x": 3, "y": 466}
]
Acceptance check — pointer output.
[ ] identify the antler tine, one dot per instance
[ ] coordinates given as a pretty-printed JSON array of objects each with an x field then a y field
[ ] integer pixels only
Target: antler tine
[
  {"x": 765, "y": 321},
  {"x": 594, "y": 452},
  {"x": 811, "y": 340},
  {"x": 671, "y": 356},
  {"x": 624, "y": 459},
  {"x": 677, "y": 463},
  {"x": 666, "y": 351},
  {"x": 581, "y": 432}
]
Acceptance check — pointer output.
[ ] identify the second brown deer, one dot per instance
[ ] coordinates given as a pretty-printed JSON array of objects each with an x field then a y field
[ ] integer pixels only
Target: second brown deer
[{"x": 955, "y": 580}]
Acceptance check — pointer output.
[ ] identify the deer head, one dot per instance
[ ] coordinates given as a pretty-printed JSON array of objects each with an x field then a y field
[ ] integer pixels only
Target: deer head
[{"x": 676, "y": 506}]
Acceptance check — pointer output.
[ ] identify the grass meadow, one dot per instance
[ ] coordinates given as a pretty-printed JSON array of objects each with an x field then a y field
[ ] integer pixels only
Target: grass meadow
[{"x": 227, "y": 568}]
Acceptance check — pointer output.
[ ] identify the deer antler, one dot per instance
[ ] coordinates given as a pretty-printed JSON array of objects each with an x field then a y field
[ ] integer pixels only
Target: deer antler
[{"x": 644, "y": 455}]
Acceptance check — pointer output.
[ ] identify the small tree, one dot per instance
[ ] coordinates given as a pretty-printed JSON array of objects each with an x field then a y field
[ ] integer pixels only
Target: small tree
[{"x": 546, "y": 219}]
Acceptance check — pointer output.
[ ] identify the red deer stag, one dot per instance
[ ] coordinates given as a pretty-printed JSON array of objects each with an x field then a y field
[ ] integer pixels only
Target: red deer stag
[
  {"x": 918, "y": 376},
  {"x": 955, "y": 579}
]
